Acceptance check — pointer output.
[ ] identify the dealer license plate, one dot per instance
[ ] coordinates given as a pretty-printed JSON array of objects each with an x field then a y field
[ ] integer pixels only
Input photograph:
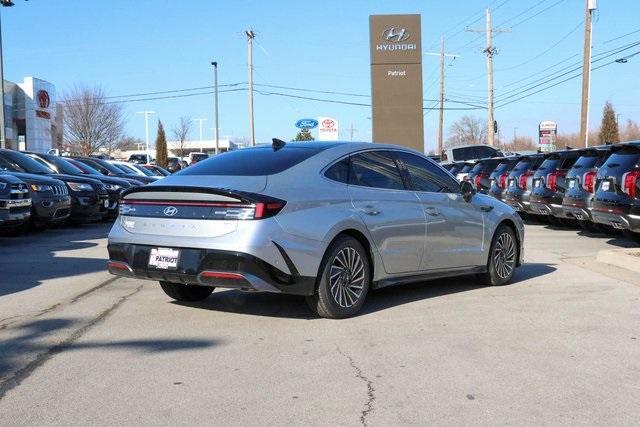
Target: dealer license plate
[
  {"x": 572, "y": 183},
  {"x": 106, "y": 203},
  {"x": 606, "y": 185},
  {"x": 537, "y": 183},
  {"x": 164, "y": 258}
]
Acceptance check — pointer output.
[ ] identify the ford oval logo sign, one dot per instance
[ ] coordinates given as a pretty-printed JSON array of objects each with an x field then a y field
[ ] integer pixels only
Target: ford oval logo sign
[
  {"x": 170, "y": 210},
  {"x": 306, "y": 124}
]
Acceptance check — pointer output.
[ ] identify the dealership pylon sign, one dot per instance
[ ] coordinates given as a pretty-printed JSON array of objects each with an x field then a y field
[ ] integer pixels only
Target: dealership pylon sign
[
  {"x": 396, "y": 80},
  {"x": 327, "y": 129}
]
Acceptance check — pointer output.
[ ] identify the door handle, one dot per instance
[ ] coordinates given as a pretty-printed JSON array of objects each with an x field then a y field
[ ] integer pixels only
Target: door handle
[
  {"x": 369, "y": 210},
  {"x": 486, "y": 208},
  {"x": 432, "y": 211}
]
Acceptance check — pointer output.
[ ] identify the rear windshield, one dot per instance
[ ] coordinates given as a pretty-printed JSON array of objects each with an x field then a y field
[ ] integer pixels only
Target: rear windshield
[
  {"x": 550, "y": 164},
  {"x": 587, "y": 161},
  {"x": 623, "y": 161},
  {"x": 252, "y": 161},
  {"x": 138, "y": 158},
  {"x": 504, "y": 166},
  {"x": 485, "y": 166},
  {"x": 466, "y": 168}
]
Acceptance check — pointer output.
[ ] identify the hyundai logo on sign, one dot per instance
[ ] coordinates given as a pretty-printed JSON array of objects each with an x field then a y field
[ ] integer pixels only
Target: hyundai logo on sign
[
  {"x": 395, "y": 36},
  {"x": 170, "y": 210},
  {"x": 306, "y": 124}
]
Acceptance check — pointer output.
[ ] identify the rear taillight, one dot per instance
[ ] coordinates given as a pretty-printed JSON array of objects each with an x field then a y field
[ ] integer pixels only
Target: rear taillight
[
  {"x": 266, "y": 210},
  {"x": 630, "y": 182},
  {"x": 503, "y": 181},
  {"x": 523, "y": 179},
  {"x": 552, "y": 180},
  {"x": 478, "y": 180},
  {"x": 588, "y": 181}
]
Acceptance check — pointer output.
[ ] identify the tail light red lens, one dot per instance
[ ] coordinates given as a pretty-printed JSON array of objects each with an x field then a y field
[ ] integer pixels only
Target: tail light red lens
[
  {"x": 523, "y": 179},
  {"x": 478, "y": 180},
  {"x": 630, "y": 182},
  {"x": 588, "y": 181},
  {"x": 503, "y": 181},
  {"x": 552, "y": 180}
]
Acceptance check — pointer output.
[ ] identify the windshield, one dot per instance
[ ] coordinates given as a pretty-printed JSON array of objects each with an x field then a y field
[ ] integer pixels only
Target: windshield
[
  {"x": 64, "y": 166},
  {"x": 8, "y": 165},
  {"x": 105, "y": 165},
  {"x": 144, "y": 170},
  {"x": 26, "y": 162},
  {"x": 86, "y": 169}
]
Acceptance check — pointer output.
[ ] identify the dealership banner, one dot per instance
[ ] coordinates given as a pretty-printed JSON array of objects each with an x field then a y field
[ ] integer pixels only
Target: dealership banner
[
  {"x": 327, "y": 129},
  {"x": 547, "y": 136}
]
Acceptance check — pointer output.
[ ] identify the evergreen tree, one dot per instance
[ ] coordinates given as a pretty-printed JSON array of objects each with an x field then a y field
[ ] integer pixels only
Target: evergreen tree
[
  {"x": 303, "y": 135},
  {"x": 609, "y": 128},
  {"x": 162, "y": 156}
]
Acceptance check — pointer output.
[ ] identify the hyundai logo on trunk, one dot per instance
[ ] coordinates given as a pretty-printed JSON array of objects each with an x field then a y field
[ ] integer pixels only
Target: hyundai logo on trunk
[{"x": 170, "y": 210}]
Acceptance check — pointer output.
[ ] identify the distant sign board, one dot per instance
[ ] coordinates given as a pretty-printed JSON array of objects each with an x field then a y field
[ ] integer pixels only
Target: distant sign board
[
  {"x": 307, "y": 124},
  {"x": 547, "y": 135},
  {"x": 328, "y": 129}
]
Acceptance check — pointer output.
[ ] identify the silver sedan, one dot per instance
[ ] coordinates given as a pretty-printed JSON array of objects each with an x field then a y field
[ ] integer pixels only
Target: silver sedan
[{"x": 329, "y": 221}]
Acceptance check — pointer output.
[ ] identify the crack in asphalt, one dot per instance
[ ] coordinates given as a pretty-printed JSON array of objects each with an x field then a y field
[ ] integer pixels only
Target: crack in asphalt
[
  {"x": 58, "y": 304},
  {"x": 19, "y": 376},
  {"x": 368, "y": 406}
]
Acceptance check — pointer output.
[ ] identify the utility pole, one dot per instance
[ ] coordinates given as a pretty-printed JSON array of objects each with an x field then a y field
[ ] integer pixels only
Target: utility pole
[
  {"x": 490, "y": 51},
  {"x": 146, "y": 128},
  {"x": 200, "y": 126},
  {"x": 3, "y": 141},
  {"x": 250, "y": 36},
  {"x": 443, "y": 57},
  {"x": 351, "y": 130},
  {"x": 215, "y": 104},
  {"x": 586, "y": 73}
]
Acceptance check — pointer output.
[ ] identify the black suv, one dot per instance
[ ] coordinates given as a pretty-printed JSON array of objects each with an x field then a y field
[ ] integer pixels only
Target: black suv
[
  {"x": 617, "y": 199},
  {"x": 520, "y": 182},
  {"x": 15, "y": 203},
  {"x": 89, "y": 198},
  {"x": 578, "y": 199},
  {"x": 106, "y": 168},
  {"x": 499, "y": 176},
  {"x": 550, "y": 184},
  {"x": 115, "y": 186},
  {"x": 479, "y": 174}
]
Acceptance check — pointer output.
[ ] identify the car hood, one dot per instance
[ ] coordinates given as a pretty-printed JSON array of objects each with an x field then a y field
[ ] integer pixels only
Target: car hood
[
  {"x": 252, "y": 184},
  {"x": 112, "y": 180},
  {"x": 74, "y": 178},
  {"x": 35, "y": 179}
]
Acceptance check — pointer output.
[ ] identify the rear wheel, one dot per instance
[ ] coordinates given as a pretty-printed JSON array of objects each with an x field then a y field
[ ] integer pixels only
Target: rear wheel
[
  {"x": 344, "y": 280},
  {"x": 186, "y": 293},
  {"x": 503, "y": 257}
]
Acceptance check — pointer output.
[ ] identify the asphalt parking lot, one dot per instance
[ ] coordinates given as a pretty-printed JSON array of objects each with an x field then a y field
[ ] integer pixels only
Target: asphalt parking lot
[{"x": 560, "y": 345}]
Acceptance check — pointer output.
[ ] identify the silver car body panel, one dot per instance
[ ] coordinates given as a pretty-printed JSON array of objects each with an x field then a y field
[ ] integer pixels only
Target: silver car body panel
[{"x": 408, "y": 233}]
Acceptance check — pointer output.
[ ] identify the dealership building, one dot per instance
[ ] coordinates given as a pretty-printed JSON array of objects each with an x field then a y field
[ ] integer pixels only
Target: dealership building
[{"x": 32, "y": 117}]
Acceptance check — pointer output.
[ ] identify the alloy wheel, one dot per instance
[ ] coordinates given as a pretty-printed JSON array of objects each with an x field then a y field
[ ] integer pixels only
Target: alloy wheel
[
  {"x": 504, "y": 255},
  {"x": 346, "y": 277}
]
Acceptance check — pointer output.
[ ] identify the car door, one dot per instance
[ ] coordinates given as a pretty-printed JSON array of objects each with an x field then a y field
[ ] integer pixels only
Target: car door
[
  {"x": 455, "y": 228},
  {"x": 392, "y": 214}
]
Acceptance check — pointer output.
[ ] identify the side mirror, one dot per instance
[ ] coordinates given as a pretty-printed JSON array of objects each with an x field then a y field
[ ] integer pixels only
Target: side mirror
[{"x": 467, "y": 190}]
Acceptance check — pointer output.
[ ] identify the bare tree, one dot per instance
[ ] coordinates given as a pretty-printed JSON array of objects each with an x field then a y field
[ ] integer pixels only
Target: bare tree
[
  {"x": 467, "y": 130},
  {"x": 631, "y": 131},
  {"x": 129, "y": 143},
  {"x": 181, "y": 134},
  {"x": 90, "y": 122},
  {"x": 520, "y": 143}
]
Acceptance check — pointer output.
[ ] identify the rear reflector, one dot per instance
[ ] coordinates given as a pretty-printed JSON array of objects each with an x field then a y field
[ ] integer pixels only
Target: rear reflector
[
  {"x": 118, "y": 267},
  {"x": 221, "y": 275}
]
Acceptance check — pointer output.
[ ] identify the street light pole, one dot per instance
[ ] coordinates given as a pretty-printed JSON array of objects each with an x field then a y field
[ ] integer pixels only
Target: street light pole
[
  {"x": 146, "y": 128},
  {"x": 586, "y": 73},
  {"x": 3, "y": 141},
  {"x": 215, "y": 104},
  {"x": 250, "y": 36}
]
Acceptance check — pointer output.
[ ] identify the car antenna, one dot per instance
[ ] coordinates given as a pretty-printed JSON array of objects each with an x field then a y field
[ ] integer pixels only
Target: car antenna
[{"x": 277, "y": 144}]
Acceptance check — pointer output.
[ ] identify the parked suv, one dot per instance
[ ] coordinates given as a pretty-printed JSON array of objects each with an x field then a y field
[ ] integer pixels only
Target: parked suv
[
  {"x": 498, "y": 178},
  {"x": 479, "y": 175},
  {"x": 141, "y": 159},
  {"x": 550, "y": 184},
  {"x": 469, "y": 152},
  {"x": 463, "y": 172},
  {"x": 89, "y": 198},
  {"x": 617, "y": 199},
  {"x": 114, "y": 186},
  {"x": 578, "y": 199},
  {"x": 520, "y": 182},
  {"x": 15, "y": 203},
  {"x": 106, "y": 168}
]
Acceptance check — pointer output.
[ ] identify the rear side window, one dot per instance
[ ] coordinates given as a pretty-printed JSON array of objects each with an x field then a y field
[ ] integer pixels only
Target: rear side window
[
  {"x": 426, "y": 176},
  {"x": 375, "y": 169},
  {"x": 339, "y": 171},
  {"x": 252, "y": 161}
]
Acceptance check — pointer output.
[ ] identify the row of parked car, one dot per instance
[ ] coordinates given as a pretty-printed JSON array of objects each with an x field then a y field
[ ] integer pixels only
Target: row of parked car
[
  {"x": 42, "y": 190},
  {"x": 596, "y": 187}
]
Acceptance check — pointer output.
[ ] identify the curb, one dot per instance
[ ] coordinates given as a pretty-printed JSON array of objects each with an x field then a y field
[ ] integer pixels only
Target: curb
[{"x": 621, "y": 258}]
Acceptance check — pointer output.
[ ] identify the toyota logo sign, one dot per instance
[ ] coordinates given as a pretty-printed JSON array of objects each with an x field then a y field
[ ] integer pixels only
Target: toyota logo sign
[
  {"x": 170, "y": 211},
  {"x": 328, "y": 123},
  {"x": 43, "y": 99}
]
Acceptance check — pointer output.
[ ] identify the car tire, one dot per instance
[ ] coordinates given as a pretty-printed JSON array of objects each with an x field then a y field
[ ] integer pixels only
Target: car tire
[
  {"x": 344, "y": 279},
  {"x": 503, "y": 257},
  {"x": 186, "y": 293}
]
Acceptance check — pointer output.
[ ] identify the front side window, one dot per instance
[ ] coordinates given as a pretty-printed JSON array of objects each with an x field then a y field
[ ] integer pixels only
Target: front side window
[
  {"x": 375, "y": 169},
  {"x": 427, "y": 176}
]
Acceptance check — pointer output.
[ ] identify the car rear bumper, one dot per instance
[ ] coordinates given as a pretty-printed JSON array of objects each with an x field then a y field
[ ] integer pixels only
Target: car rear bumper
[
  {"x": 617, "y": 220},
  {"x": 208, "y": 267}
]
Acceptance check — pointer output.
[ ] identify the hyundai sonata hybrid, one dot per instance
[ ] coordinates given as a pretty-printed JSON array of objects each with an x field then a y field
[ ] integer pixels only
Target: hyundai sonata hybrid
[{"x": 329, "y": 221}]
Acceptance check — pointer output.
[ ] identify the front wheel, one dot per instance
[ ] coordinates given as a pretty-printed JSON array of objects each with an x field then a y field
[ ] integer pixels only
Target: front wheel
[
  {"x": 503, "y": 257},
  {"x": 344, "y": 280},
  {"x": 186, "y": 293}
]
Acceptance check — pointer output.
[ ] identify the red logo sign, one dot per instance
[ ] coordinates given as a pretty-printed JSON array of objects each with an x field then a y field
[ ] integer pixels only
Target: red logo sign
[
  {"x": 328, "y": 123},
  {"x": 43, "y": 99}
]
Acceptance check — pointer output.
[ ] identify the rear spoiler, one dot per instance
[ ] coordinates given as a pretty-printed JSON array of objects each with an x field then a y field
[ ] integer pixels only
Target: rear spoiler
[{"x": 207, "y": 193}]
